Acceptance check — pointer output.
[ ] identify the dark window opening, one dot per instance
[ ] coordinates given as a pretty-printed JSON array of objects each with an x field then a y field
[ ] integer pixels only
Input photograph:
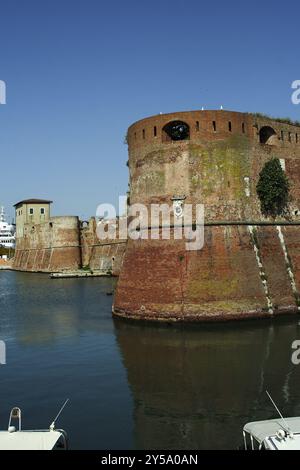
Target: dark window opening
[
  {"x": 214, "y": 126},
  {"x": 176, "y": 130},
  {"x": 197, "y": 126},
  {"x": 243, "y": 128},
  {"x": 155, "y": 131},
  {"x": 229, "y": 126},
  {"x": 144, "y": 134},
  {"x": 267, "y": 135},
  {"x": 296, "y": 138}
]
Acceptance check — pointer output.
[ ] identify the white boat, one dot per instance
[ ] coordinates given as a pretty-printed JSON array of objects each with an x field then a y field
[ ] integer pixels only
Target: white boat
[
  {"x": 7, "y": 232},
  {"x": 40, "y": 439},
  {"x": 273, "y": 434}
]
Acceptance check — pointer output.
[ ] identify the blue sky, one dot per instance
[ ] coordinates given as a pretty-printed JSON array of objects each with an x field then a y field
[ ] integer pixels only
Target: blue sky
[{"x": 78, "y": 73}]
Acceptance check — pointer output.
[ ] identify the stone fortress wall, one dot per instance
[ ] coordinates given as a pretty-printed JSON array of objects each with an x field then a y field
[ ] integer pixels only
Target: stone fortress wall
[
  {"x": 50, "y": 246},
  {"x": 106, "y": 255},
  {"x": 249, "y": 266},
  {"x": 66, "y": 244}
]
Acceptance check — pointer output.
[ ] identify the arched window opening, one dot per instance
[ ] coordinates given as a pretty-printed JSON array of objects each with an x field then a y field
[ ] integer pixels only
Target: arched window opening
[
  {"x": 175, "y": 131},
  {"x": 267, "y": 136}
]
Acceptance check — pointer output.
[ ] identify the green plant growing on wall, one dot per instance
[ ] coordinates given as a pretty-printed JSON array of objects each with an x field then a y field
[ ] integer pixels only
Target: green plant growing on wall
[
  {"x": 281, "y": 120},
  {"x": 273, "y": 190}
]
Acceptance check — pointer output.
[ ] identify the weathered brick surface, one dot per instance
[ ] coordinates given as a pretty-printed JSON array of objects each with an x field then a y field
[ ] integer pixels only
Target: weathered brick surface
[
  {"x": 49, "y": 247},
  {"x": 160, "y": 279},
  {"x": 292, "y": 239},
  {"x": 275, "y": 267},
  {"x": 62, "y": 243},
  {"x": 211, "y": 166},
  {"x": 105, "y": 255}
]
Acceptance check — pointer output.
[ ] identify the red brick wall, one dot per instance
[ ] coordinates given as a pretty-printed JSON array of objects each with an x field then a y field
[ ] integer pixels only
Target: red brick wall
[
  {"x": 49, "y": 248},
  {"x": 160, "y": 279},
  {"x": 163, "y": 281},
  {"x": 105, "y": 255},
  {"x": 67, "y": 245}
]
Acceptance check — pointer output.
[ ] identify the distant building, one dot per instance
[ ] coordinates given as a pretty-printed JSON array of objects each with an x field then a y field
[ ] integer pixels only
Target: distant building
[{"x": 31, "y": 211}]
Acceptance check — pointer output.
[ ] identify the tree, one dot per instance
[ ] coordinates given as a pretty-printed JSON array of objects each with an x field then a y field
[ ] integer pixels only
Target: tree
[{"x": 273, "y": 189}]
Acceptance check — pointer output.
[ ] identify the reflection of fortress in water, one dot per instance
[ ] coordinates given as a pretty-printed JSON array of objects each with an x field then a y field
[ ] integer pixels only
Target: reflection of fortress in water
[{"x": 196, "y": 388}]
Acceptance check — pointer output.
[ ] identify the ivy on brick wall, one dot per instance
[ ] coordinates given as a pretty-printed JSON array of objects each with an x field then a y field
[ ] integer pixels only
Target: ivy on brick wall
[{"x": 273, "y": 190}]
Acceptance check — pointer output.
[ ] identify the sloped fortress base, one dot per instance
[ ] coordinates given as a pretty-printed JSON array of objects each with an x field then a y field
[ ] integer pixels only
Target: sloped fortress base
[{"x": 241, "y": 272}]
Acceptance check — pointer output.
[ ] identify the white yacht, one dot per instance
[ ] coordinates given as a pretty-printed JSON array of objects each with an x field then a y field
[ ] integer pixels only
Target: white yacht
[{"x": 7, "y": 232}]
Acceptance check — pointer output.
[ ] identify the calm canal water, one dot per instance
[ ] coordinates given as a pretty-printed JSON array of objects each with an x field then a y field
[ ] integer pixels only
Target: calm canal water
[{"x": 135, "y": 386}]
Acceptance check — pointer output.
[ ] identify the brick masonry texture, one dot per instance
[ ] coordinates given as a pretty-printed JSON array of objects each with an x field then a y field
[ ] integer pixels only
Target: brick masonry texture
[
  {"x": 238, "y": 273},
  {"x": 66, "y": 244},
  {"x": 49, "y": 247},
  {"x": 106, "y": 255}
]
